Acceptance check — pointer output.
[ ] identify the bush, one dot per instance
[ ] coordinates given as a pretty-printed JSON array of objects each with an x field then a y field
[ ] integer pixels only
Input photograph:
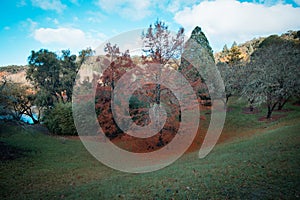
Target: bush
[{"x": 59, "y": 119}]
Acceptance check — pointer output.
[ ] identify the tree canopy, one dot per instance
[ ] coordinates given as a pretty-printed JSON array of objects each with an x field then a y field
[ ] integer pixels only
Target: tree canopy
[
  {"x": 54, "y": 75},
  {"x": 274, "y": 73}
]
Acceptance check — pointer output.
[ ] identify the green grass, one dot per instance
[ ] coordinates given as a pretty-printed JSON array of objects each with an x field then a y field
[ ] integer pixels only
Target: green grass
[
  {"x": 262, "y": 166},
  {"x": 239, "y": 125}
]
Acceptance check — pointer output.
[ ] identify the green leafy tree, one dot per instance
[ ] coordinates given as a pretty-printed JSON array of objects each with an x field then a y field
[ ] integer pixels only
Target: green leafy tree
[
  {"x": 55, "y": 75},
  {"x": 274, "y": 76},
  {"x": 44, "y": 72},
  {"x": 18, "y": 100},
  {"x": 59, "y": 120},
  {"x": 68, "y": 71},
  {"x": 84, "y": 55}
]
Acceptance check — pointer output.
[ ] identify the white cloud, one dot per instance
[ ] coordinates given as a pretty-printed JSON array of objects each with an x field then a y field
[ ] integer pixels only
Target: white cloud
[
  {"x": 54, "y": 21},
  {"x": 224, "y": 21},
  {"x": 140, "y": 9},
  {"x": 175, "y": 5},
  {"x": 95, "y": 17},
  {"x": 49, "y": 5},
  {"x": 63, "y": 38},
  {"x": 21, "y": 3},
  {"x": 132, "y": 9},
  {"x": 269, "y": 2},
  {"x": 28, "y": 25},
  {"x": 32, "y": 24},
  {"x": 297, "y": 2},
  {"x": 74, "y": 2}
]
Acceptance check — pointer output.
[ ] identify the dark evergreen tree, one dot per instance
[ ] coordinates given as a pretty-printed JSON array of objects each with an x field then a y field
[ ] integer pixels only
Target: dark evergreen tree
[
  {"x": 234, "y": 44},
  {"x": 225, "y": 49},
  {"x": 199, "y": 50}
]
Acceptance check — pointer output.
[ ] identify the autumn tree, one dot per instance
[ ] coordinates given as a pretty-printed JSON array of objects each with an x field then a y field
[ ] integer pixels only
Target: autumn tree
[
  {"x": 118, "y": 64},
  {"x": 161, "y": 46}
]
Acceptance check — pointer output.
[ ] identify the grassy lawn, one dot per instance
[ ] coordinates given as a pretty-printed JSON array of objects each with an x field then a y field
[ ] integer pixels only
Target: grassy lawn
[{"x": 260, "y": 160}]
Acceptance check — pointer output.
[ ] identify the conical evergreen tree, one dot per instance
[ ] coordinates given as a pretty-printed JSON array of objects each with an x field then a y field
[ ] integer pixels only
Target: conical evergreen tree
[
  {"x": 198, "y": 37},
  {"x": 225, "y": 49},
  {"x": 200, "y": 53},
  {"x": 234, "y": 44}
]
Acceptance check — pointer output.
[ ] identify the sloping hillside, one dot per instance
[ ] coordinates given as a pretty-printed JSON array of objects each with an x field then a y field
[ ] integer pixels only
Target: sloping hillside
[
  {"x": 248, "y": 47},
  {"x": 14, "y": 73}
]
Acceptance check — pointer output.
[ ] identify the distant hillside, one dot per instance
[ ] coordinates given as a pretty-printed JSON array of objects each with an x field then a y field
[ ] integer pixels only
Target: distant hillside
[
  {"x": 14, "y": 73},
  {"x": 249, "y": 47}
]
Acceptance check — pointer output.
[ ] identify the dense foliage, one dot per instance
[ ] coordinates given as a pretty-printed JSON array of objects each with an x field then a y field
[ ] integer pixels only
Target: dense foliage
[
  {"x": 55, "y": 75},
  {"x": 59, "y": 120},
  {"x": 274, "y": 73}
]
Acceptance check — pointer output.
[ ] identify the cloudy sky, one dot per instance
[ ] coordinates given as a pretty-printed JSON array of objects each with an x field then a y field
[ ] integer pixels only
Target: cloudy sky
[{"x": 76, "y": 24}]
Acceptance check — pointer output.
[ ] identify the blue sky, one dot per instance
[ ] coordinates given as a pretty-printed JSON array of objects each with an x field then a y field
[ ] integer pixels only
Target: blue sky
[{"x": 76, "y": 24}]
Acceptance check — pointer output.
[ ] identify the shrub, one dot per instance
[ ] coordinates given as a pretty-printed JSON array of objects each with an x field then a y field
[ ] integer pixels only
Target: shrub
[{"x": 59, "y": 119}]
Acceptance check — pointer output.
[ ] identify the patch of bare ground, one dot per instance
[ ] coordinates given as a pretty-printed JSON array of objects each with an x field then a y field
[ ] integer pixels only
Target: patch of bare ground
[
  {"x": 247, "y": 110},
  {"x": 272, "y": 119},
  {"x": 296, "y": 103},
  {"x": 283, "y": 110}
]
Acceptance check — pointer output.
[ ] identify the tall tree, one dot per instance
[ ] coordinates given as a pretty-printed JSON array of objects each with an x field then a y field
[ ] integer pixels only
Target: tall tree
[
  {"x": 118, "y": 64},
  {"x": 69, "y": 69},
  {"x": 197, "y": 80},
  {"x": 44, "y": 72},
  {"x": 161, "y": 46}
]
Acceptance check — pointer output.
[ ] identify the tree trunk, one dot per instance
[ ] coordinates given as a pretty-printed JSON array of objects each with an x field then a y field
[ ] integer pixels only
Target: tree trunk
[
  {"x": 30, "y": 114},
  {"x": 157, "y": 96},
  {"x": 270, "y": 110},
  {"x": 34, "y": 120},
  {"x": 282, "y": 103},
  {"x": 160, "y": 142},
  {"x": 179, "y": 117},
  {"x": 227, "y": 97},
  {"x": 251, "y": 108}
]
